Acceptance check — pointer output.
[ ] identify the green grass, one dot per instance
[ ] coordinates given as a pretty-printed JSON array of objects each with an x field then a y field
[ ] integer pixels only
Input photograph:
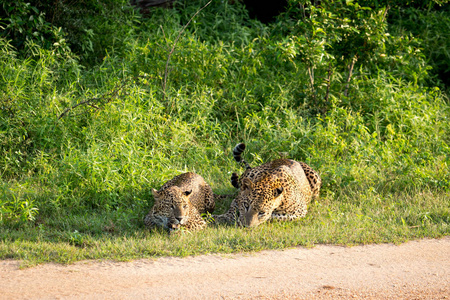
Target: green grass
[
  {"x": 357, "y": 218},
  {"x": 76, "y": 183}
]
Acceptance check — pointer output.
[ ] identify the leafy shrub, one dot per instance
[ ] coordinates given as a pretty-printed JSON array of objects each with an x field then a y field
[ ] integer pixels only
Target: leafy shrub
[
  {"x": 431, "y": 27},
  {"x": 16, "y": 207}
]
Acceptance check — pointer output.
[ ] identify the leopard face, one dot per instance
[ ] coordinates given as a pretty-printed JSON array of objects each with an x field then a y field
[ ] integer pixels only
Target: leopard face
[
  {"x": 180, "y": 203},
  {"x": 269, "y": 195},
  {"x": 174, "y": 204},
  {"x": 257, "y": 201}
]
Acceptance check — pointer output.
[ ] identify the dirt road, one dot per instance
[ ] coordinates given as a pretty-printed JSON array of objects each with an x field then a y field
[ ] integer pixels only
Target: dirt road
[{"x": 414, "y": 270}]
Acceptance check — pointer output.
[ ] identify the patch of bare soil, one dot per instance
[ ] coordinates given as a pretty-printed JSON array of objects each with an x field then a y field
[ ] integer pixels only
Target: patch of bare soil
[{"x": 414, "y": 270}]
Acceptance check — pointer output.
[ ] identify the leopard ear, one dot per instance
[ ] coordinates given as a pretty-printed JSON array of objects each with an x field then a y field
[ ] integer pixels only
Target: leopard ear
[
  {"x": 247, "y": 183},
  {"x": 155, "y": 193}
]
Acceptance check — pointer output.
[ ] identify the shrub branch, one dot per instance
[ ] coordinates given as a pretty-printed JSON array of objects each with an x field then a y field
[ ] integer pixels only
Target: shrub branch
[
  {"x": 93, "y": 101},
  {"x": 350, "y": 72}
]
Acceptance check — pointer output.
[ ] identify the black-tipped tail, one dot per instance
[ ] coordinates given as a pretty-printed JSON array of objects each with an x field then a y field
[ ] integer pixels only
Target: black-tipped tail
[
  {"x": 237, "y": 151},
  {"x": 235, "y": 180}
]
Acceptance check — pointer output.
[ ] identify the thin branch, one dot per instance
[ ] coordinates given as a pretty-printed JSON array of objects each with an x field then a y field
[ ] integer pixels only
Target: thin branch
[
  {"x": 350, "y": 71},
  {"x": 302, "y": 8},
  {"x": 311, "y": 77},
  {"x": 68, "y": 109},
  {"x": 330, "y": 72},
  {"x": 93, "y": 106},
  {"x": 385, "y": 12},
  {"x": 91, "y": 100},
  {"x": 164, "y": 34},
  {"x": 166, "y": 71},
  {"x": 311, "y": 80}
]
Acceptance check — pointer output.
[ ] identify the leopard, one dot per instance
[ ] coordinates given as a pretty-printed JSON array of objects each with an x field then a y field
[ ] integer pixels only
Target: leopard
[
  {"x": 180, "y": 203},
  {"x": 277, "y": 190}
]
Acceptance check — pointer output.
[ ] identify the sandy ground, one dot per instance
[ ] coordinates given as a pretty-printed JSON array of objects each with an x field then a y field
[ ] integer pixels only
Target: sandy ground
[{"x": 414, "y": 270}]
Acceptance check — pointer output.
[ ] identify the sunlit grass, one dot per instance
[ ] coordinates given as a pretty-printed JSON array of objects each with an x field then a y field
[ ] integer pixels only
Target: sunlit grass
[{"x": 359, "y": 218}]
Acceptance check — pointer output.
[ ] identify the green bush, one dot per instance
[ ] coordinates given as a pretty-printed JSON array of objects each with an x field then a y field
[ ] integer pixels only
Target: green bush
[{"x": 432, "y": 28}]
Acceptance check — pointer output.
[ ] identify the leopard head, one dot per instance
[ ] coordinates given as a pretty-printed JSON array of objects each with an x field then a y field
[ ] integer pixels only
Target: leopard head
[
  {"x": 176, "y": 202},
  {"x": 257, "y": 200}
]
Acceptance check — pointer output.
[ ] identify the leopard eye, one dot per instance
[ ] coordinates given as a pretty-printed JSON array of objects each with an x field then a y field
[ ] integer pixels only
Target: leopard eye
[
  {"x": 246, "y": 206},
  {"x": 187, "y": 193},
  {"x": 185, "y": 206},
  {"x": 261, "y": 213},
  {"x": 278, "y": 191},
  {"x": 173, "y": 206}
]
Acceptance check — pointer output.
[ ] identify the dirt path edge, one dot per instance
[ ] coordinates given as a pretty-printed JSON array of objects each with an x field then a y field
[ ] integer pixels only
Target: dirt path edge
[{"x": 413, "y": 270}]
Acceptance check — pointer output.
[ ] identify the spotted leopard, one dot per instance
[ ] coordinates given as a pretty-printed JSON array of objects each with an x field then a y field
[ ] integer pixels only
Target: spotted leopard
[
  {"x": 180, "y": 203},
  {"x": 280, "y": 189}
]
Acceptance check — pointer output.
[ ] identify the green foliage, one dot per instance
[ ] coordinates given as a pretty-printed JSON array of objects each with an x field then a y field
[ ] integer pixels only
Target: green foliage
[
  {"x": 432, "y": 28},
  {"x": 90, "y": 28},
  {"x": 221, "y": 22},
  {"x": 86, "y": 133},
  {"x": 94, "y": 28},
  {"x": 17, "y": 210},
  {"x": 24, "y": 22},
  {"x": 422, "y": 4},
  {"x": 26, "y": 28}
]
